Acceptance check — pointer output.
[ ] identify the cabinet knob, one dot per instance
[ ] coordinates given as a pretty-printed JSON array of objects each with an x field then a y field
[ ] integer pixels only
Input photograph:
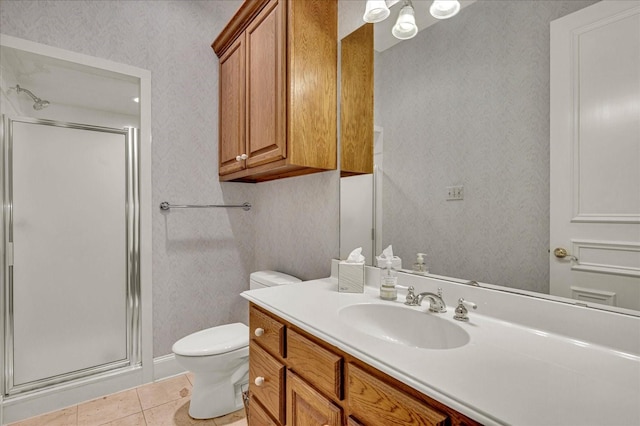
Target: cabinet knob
[
  {"x": 241, "y": 157},
  {"x": 259, "y": 331},
  {"x": 259, "y": 381}
]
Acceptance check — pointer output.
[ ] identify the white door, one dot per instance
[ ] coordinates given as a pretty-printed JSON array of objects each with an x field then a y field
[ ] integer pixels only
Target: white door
[{"x": 595, "y": 154}]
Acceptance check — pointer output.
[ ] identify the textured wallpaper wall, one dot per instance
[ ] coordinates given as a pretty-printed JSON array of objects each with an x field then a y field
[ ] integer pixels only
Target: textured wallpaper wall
[
  {"x": 466, "y": 102},
  {"x": 297, "y": 224},
  {"x": 201, "y": 258}
]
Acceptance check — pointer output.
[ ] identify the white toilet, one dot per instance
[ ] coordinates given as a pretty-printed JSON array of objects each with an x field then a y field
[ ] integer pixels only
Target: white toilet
[{"x": 218, "y": 357}]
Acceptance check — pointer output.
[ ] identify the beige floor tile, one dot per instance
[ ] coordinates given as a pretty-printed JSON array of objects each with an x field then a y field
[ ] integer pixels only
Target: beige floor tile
[
  {"x": 64, "y": 417},
  {"x": 132, "y": 420},
  {"x": 109, "y": 408},
  {"x": 159, "y": 393},
  {"x": 174, "y": 413},
  {"x": 237, "y": 418}
]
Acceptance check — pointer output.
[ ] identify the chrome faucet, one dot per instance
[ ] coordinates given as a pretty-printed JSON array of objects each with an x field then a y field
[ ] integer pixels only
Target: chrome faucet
[{"x": 436, "y": 304}]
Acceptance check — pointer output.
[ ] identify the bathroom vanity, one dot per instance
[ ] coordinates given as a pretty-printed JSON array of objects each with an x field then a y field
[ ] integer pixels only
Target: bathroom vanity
[
  {"x": 296, "y": 376},
  {"x": 342, "y": 358}
]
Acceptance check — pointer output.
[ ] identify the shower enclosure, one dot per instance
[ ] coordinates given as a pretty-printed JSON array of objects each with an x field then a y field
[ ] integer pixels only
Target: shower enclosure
[{"x": 71, "y": 245}]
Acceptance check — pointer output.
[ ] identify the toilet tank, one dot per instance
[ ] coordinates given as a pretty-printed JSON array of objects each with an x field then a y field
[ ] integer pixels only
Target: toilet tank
[{"x": 262, "y": 279}]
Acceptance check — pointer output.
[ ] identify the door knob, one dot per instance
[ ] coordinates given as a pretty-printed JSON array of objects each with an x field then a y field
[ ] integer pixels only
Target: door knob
[
  {"x": 241, "y": 157},
  {"x": 561, "y": 253},
  {"x": 258, "y": 331},
  {"x": 259, "y": 381}
]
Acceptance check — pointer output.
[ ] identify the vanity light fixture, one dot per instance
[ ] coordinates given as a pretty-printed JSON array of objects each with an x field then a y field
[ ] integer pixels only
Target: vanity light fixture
[
  {"x": 376, "y": 11},
  {"x": 444, "y": 9},
  {"x": 405, "y": 27}
]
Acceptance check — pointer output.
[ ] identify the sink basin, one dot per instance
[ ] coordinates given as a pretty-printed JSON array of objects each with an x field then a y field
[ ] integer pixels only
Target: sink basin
[{"x": 404, "y": 326}]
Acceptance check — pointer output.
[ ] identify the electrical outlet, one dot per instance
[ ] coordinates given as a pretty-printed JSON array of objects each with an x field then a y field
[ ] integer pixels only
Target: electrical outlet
[{"x": 455, "y": 193}]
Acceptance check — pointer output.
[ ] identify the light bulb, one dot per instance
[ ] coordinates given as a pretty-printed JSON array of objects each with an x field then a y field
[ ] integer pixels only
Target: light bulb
[
  {"x": 376, "y": 11},
  {"x": 405, "y": 27},
  {"x": 443, "y": 9}
]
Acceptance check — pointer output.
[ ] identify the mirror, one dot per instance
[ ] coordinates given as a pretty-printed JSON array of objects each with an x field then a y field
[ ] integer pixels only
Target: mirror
[{"x": 465, "y": 110}]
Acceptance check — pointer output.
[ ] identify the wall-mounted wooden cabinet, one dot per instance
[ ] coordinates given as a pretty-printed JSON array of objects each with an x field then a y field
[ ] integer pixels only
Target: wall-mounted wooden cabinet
[
  {"x": 278, "y": 89},
  {"x": 296, "y": 379},
  {"x": 356, "y": 102}
]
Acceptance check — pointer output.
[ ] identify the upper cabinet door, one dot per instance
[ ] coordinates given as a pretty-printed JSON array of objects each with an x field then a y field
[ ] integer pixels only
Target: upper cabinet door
[
  {"x": 266, "y": 85},
  {"x": 231, "y": 144},
  {"x": 287, "y": 60}
]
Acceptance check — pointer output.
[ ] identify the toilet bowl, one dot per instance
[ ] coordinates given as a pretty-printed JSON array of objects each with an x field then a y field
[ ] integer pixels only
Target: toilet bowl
[{"x": 218, "y": 357}]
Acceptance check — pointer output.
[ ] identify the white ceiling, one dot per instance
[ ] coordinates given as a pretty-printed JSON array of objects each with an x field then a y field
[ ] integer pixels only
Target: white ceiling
[{"x": 70, "y": 84}]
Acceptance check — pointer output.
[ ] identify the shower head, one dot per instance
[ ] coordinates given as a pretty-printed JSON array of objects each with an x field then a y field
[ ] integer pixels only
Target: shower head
[{"x": 38, "y": 103}]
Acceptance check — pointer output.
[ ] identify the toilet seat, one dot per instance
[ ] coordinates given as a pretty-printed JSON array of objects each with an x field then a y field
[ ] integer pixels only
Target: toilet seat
[{"x": 213, "y": 341}]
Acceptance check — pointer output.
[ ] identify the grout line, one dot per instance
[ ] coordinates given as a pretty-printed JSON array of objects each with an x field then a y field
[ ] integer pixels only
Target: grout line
[{"x": 139, "y": 400}]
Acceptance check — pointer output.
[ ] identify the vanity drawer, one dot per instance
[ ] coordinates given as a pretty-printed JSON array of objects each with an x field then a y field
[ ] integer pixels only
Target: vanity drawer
[
  {"x": 374, "y": 402},
  {"x": 266, "y": 331},
  {"x": 266, "y": 381},
  {"x": 257, "y": 415},
  {"x": 317, "y": 365}
]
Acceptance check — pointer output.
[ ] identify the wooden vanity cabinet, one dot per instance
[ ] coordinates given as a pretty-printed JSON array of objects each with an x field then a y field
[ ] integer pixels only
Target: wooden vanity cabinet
[
  {"x": 318, "y": 384},
  {"x": 277, "y": 90}
]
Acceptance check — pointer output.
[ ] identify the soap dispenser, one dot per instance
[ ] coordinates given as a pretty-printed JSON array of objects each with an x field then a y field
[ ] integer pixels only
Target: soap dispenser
[
  {"x": 389, "y": 279},
  {"x": 420, "y": 267}
]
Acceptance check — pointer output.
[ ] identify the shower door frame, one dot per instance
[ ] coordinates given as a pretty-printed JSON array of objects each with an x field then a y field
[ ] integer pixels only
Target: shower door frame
[{"x": 133, "y": 254}]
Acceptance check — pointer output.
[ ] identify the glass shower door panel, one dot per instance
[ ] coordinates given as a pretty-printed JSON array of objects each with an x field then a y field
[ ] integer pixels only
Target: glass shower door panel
[{"x": 70, "y": 252}]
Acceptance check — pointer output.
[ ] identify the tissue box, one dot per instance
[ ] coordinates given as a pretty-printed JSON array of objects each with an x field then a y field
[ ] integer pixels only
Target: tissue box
[
  {"x": 351, "y": 277},
  {"x": 396, "y": 262}
]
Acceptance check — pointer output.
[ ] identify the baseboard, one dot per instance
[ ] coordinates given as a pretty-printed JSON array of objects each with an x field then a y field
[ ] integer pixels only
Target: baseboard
[
  {"x": 40, "y": 402},
  {"x": 35, "y": 403},
  {"x": 166, "y": 366}
]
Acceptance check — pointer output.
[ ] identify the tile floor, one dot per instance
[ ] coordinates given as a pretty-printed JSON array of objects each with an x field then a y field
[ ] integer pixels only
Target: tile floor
[{"x": 163, "y": 403}]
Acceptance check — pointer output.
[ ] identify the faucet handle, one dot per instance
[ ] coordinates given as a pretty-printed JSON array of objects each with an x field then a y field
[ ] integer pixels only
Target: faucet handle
[
  {"x": 411, "y": 299},
  {"x": 461, "y": 310}
]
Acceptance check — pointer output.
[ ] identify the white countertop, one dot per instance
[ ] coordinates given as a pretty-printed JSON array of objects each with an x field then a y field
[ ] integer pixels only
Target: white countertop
[{"x": 506, "y": 374}]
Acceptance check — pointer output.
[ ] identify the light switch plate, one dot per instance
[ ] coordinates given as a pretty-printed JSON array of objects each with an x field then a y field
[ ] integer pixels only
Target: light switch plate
[{"x": 455, "y": 193}]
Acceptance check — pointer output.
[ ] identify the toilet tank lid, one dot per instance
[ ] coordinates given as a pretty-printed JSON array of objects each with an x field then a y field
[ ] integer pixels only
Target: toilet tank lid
[
  {"x": 271, "y": 278},
  {"x": 213, "y": 341}
]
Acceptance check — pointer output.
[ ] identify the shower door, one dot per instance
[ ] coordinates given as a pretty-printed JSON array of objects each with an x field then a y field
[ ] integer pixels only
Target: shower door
[{"x": 71, "y": 284}]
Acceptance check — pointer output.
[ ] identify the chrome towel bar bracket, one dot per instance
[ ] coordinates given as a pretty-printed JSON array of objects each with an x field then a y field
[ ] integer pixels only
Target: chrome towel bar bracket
[{"x": 166, "y": 206}]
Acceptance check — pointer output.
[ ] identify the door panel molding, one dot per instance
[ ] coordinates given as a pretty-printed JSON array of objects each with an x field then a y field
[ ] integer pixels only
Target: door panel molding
[{"x": 607, "y": 257}]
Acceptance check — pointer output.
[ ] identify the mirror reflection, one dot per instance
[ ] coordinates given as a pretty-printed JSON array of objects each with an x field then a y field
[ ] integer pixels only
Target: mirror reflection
[{"x": 467, "y": 177}]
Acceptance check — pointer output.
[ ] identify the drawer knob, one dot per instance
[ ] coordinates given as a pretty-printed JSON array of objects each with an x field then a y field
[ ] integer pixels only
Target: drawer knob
[
  {"x": 259, "y": 331},
  {"x": 259, "y": 381},
  {"x": 241, "y": 157}
]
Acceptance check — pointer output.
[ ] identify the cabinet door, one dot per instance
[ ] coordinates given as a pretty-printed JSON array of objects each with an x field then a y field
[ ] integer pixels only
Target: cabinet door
[
  {"x": 231, "y": 110},
  {"x": 305, "y": 406},
  {"x": 266, "y": 85}
]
